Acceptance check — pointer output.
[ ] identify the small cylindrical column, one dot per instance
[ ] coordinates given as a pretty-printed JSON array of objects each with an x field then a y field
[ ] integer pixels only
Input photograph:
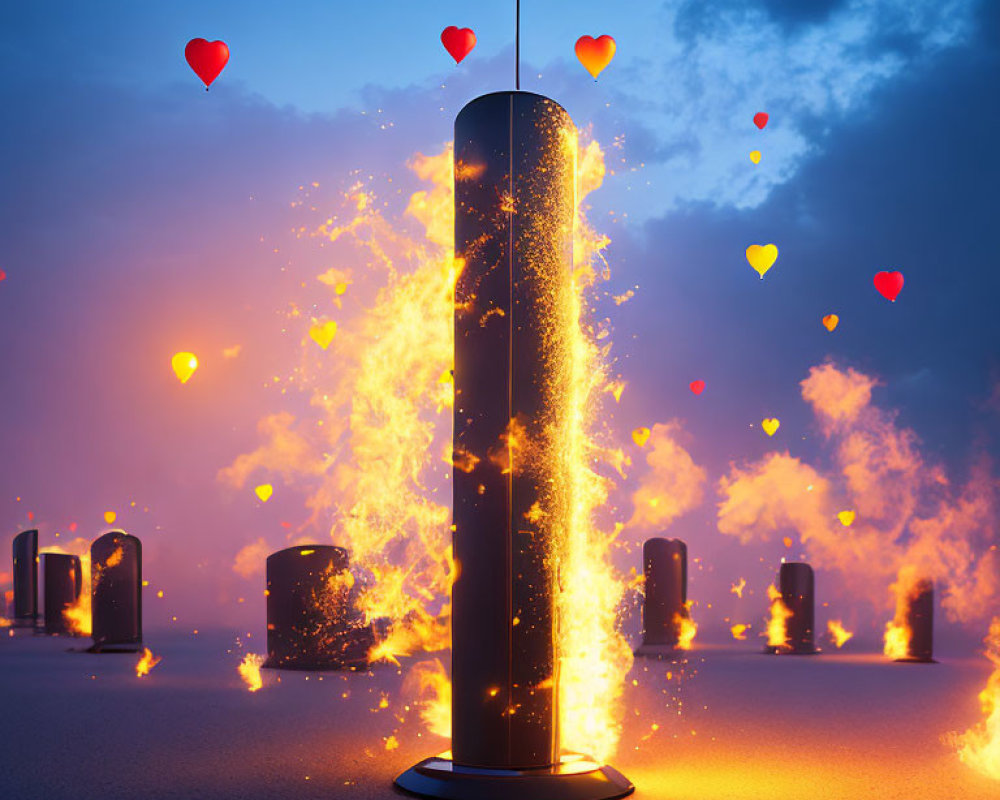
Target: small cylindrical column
[
  {"x": 310, "y": 620},
  {"x": 798, "y": 594},
  {"x": 26, "y": 579},
  {"x": 116, "y": 592},
  {"x": 920, "y": 621},
  {"x": 664, "y": 563},
  {"x": 62, "y": 580}
]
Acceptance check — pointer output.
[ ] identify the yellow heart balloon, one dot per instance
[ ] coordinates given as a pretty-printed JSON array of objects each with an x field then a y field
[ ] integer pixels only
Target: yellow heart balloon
[
  {"x": 184, "y": 365},
  {"x": 846, "y": 518},
  {"x": 640, "y": 436},
  {"x": 323, "y": 332},
  {"x": 755, "y": 156},
  {"x": 264, "y": 492},
  {"x": 110, "y": 517},
  {"x": 770, "y": 425},
  {"x": 830, "y": 321},
  {"x": 762, "y": 257}
]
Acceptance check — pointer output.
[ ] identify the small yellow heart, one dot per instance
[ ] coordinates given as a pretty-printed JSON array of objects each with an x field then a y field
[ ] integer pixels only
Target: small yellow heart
[
  {"x": 846, "y": 518},
  {"x": 110, "y": 517},
  {"x": 184, "y": 365},
  {"x": 264, "y": 492},
  {"x": 640, "y": 436},
  {"x": 762, "y": 257},
  {"x": 830, "y": 321},
  {"x": 770, "y": 425},
  {"x": 323, "y": 333},
  {"x": 755, "y": 156}
]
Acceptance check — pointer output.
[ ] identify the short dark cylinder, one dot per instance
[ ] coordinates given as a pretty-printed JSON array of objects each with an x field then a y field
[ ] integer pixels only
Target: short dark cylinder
[
  {"x": 664, "y": 564},
  {"x": 920, "y": 620},
  {"x": 514, "y": 207},
  {"x": 116, "y": 592},
  {"x": 798, "y": 593},
  {"x": 26, "y": 579},
  {"x": 62, "y": 580},
  {"x": 310, "y": 623}
]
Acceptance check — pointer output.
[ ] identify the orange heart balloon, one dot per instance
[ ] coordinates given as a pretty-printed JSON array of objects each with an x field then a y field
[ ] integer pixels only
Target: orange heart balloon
[
  {"x": 595, "y": 54},
  {"x": 830, "y": 321},
  {"x": 640, "y": 436}
]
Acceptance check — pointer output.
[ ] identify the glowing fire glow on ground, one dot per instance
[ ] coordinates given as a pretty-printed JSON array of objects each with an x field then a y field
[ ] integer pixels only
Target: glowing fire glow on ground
[
  {"x": 146, "y": 662},
  {"x": 249, "y": 669},
  {"x": 382, "y": 394},
  {"x": 979, "y": 747}
]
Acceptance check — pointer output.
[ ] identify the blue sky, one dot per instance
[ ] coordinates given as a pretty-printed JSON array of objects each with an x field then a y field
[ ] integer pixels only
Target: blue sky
[{"x": 136, "y": 208}]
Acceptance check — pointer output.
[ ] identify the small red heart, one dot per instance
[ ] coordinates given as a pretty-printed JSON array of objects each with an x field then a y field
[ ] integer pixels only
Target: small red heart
[
  {"x": 697, "y": 386},
  {"x": 760, "y": 119},
  {"x": 206, "y": 58},
  {"x": 458, "y": 41},
  {"x": 2, "y": 274},
  {"x": 889, "y": 284}
]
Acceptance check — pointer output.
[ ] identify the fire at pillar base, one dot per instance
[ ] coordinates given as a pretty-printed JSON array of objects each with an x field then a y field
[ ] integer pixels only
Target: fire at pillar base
[
  {"x": 796, "y": 612},
  {"x": 666, "y": 621}
]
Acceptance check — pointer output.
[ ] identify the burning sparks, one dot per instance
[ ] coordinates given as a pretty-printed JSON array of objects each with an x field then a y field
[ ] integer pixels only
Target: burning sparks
[
  {"x": 249, "y": 669},
  {"x": 979, "y": 747},
  {"x": 146, "y": 662},
  {"x": 777, "y": 633},
  {"x": 737, "y": 588},
  {"x": 838, "y": 632}
]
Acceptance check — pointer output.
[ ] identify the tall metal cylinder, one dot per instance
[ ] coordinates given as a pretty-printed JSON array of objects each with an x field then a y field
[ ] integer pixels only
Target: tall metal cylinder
[
  {"x": 798, "y": 593},
  {"x": 514, "y": 214},
  {"x": 310, "y": 622},
  {"x": 26, "y": 579},
  {"x": 920, "y": 621},
  {"x": 513, "y": 227},
  {"x": 664, "y": 564},
  {"x": 63, "y": 580},
  {"x": 116, "y": 592}
]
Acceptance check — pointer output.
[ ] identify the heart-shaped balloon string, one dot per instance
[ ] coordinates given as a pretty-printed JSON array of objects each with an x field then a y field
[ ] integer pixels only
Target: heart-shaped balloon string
[
  {"x": 830, "y": 321},
  {"x": 697, "y": 386},
  {"x": 595, "y": 54},
  {"x": 323, "y": 332},
  {"x": 184, "y": 365},
  {"x": 762, "y": 257},
  {"x": 889, "y": 284},
  {"x": 770, "y": 425},
  {"x": 755, "y": 156},
  {"x": 846, "y": 518},
  {"x": 206, "y": 58},
  {"x": 760, "y": 119},
  {"x": 640, "y": 436},
  {"x": 264, "y": 492},
  {"x": 458, "y": 42}
]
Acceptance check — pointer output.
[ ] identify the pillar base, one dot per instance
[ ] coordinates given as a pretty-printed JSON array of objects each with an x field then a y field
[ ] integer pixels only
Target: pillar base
[
  {"x": 575, "y": 777},
  {"x": 784, "y": 651},
  {"x": 660, "y": 651},
  {"x": 914, "y": 660},
  {"x": 125, "y": 647}
]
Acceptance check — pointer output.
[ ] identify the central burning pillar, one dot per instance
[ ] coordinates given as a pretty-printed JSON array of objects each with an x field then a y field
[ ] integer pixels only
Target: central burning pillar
[{"x": 515, "y": 155}]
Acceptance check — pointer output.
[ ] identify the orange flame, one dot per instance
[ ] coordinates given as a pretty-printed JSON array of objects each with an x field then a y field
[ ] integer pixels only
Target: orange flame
[
  {"x": 739, "y": 631},
  {"x": 777, "y": 633},
  {"x": 839, "y": 633},
  {"x": 897, "y": 630},
  {"x": 146, "y": 662},
  {"x": 686, "y": 630},
  {"x": 979, "y": 747},
  {"x": 429, "y": 682},
  {"x": 249, "y": 669}
]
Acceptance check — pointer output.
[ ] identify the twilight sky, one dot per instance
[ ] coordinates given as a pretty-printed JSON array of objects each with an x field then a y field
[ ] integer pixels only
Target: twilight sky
[{"x": 140, "y": 215}]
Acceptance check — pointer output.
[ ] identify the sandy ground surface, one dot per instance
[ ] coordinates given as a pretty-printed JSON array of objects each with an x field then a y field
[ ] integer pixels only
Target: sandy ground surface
[{"x": 732, "y": 724}]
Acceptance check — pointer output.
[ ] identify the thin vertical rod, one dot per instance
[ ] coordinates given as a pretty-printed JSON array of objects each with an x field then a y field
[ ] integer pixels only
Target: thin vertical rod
[{"x": 517, "y": 46}]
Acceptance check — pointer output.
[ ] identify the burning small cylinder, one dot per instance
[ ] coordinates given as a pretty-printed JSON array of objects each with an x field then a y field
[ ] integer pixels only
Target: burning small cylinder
[
  {"x": 918, "y": 616},
  {"x": 116, "y": 592},
  {"x": 26, "y": 579},
  {"x": 63, "y": 580},
  {"x": 797, "y": 597},
  {"x": 664, "y": 608},
  {"x": 310, "y": 623}
]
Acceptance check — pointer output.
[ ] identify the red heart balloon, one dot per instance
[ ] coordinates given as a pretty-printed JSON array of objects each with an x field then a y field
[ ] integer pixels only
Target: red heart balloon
[
  {"x": 206, "y": 58},
  {"x": 697, "y": 386},
  {"x": 889, "y": 284},
  {"x": 760, "y": 119},
  {"x": 458, "y": 41},
  {"x": 2, "y": 274}
]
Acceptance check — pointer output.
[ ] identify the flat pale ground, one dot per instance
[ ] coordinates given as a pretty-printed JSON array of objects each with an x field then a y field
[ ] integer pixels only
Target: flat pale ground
[{"x": 830, "y": 727}]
